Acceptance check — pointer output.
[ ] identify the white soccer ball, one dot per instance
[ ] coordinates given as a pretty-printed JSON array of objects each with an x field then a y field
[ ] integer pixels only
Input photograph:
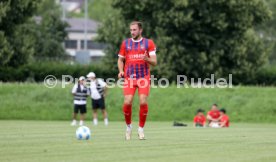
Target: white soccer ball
[
  {"x": 83, "y": 133},
  {"x": 214, "y": 125}
]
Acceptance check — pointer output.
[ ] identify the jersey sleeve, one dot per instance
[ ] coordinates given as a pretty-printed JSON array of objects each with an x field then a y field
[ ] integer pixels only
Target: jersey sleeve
[
  {"x": 152, "y": 48},
  {"x": 101, "y": 82},
  {"x": 88, "y": 91},
  {"x": 203, "y": 119},
  {"x": 74, "y": 89},
  {"x": 224, "y": 119},
  {"x": 122, "y": 51},
  {"x": 194, "y": 119}
]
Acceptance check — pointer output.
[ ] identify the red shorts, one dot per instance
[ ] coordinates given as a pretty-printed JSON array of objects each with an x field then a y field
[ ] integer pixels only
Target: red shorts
[{"x": 130, "y": 86}]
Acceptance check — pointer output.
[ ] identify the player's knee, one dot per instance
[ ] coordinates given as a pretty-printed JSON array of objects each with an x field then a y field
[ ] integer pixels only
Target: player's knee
[
  {"x": 143, "y": 100},
  {"x": 128, "y": 100}
]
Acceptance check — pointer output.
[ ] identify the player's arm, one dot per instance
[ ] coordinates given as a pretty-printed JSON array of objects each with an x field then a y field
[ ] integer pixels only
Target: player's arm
[
  {"x": 194, "y": 122},
  {"x": 204, "y": 124},
  {"x": 151, "y": 60},
  {"x": 74, "y": 90},
  {"x": 222, "y": 124},
  {"x": 121, "y": 67},
  {"x": 220, "y": 117},
  {"x": 209, "y": 117},
  {"x": 121, "y": 60},
  {"x": 87, "y": 93},
  {"x": 150, "y": 54}
]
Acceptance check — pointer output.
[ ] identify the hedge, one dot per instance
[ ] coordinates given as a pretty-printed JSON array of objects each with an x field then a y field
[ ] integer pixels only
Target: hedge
[{"x": 38, "y": 71}]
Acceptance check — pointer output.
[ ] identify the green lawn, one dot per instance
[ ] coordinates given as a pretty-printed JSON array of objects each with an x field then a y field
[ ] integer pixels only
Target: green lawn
[
  {"x": 55, "y": 141},
  {"x": 31, "y": 101}
]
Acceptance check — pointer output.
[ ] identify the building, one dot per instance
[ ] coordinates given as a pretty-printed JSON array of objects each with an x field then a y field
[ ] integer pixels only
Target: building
[
  {"x": 74, "y": 44},
  {"x": 76, "y": 37}
]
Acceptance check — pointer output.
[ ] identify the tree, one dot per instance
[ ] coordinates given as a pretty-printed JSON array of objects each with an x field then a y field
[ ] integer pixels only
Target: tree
[
  {"x": 22, "y": 38},
  {"x": 268, "y": 30},
  {"x": 195, "y": 37},
  {"x": 15, "y": 47},
  {"x": 112, "y": 33},
  {"x": 50, "y": 33}
]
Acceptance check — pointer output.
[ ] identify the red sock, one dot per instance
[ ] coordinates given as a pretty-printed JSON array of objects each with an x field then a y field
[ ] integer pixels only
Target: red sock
[
  {"x": 143, "y": 114},
  {"x": 127, "y": 112}
]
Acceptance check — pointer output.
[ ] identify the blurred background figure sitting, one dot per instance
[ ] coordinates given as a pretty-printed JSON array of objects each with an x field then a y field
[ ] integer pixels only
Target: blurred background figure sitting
[
  {"x": 224, "y": 119},
  {"x": 199, "y": 119},
  {"x": 213, "y": 116}
]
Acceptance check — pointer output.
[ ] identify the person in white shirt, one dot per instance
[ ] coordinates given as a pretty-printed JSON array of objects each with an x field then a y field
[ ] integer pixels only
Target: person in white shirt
[
  {"x": 98, "y": 91},
  {"x": 80, "y": 93}
]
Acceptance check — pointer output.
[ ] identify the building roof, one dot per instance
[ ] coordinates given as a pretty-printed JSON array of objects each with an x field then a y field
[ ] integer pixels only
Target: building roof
[{"x": 78, "y": 24}]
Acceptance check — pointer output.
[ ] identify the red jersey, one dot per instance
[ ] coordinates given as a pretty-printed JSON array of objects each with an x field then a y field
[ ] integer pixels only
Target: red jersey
[
  {"x": 225, "y": 118},
  {"x": 200, "y": 119},
  {"x": 133, "y": 51},
  {"x": 215, "y": 114}
]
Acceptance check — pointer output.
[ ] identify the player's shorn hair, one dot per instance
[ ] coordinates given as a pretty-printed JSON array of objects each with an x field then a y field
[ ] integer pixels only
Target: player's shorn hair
[
  {"x": 139, "y": 23},
  {"x": 215, "y": 104}
]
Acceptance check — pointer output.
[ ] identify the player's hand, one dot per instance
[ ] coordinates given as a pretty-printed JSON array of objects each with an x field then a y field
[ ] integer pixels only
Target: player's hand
[
  {"x": 145, "y": 57},
  {"x": 121, "y": 74}
]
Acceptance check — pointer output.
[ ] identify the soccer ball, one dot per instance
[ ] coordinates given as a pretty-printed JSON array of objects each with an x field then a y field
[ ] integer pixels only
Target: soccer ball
[{"x": 83, "y": 133}]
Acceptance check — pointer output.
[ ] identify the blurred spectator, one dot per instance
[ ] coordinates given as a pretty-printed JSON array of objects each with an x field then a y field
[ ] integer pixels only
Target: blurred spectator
[
  {"x": 98, "y": 90},
  {"x": 213, "y": 116},
  {"x": 80, "y": 93},
  {"x": 199, "y": 119},
  {"x": 224, "y": 119}
]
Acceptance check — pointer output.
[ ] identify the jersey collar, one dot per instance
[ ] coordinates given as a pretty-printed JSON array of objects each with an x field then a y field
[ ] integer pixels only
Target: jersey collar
[{"x": 137, "y": 40}]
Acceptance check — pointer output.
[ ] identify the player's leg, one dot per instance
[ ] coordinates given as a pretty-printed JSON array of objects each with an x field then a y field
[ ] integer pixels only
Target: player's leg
[
  {"x": 95, "y": 116},
  {"x": 143, "y": 90},
  {"x": 74, "y": 115},
  {"x": 95, "y": 107},
  {"x": 143, "y": 110},
  {"x": 129, "y": 91},
  {"x": 104, "y": 112},
  {"x": 143, "y": 113},
  {"x": 82, "y": 114},
  {"x": 127, "y": 110}
]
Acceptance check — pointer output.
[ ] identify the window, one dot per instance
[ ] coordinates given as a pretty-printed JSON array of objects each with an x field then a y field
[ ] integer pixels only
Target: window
[
  {"x": 92, "y": 45},
  {"x": 71, "y": 44}
]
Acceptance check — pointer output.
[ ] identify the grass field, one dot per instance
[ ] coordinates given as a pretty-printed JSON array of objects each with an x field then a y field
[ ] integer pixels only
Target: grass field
[
  {"x": 55, "y": 141},
  {"x": 31, "y": 101}
]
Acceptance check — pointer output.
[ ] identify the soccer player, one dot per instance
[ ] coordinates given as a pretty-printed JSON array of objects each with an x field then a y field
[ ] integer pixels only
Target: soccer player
[
  {"x": 199, "y": 119},
  {"x": 98, "y": 90},
  {"x": 136, "y": 55},
  {"x": 213, "y": 115},
  {"x": 80, "y": 93},
  {"x": 224, "y": 119}
]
